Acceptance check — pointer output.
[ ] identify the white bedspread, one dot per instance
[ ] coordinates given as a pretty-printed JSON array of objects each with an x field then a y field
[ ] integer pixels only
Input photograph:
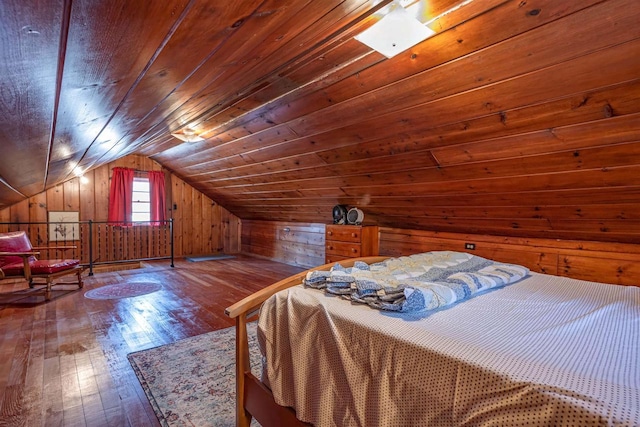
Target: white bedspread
[{"x": 547, "y": 351}]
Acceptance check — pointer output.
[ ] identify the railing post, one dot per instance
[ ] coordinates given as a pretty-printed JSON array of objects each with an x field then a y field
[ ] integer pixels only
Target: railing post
[
  {"x": 171, "y": 232},
  {"x": 90, "y": 248}
]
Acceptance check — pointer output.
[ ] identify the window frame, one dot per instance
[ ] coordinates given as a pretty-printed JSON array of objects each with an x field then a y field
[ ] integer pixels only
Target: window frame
[{"x": 137, "y": 201}]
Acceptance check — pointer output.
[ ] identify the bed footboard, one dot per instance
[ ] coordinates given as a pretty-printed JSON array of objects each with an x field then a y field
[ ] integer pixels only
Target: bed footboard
[{"x": 254, "y": 399}]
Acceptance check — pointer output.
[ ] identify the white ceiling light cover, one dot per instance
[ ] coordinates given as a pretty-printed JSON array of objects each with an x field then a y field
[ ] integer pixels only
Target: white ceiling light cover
[
  {"x": 397, "y": 31},
  {"x": 187, "y": 135}
]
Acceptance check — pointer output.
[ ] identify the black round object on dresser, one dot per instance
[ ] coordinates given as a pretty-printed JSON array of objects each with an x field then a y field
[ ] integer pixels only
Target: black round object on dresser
[{"x": 339, "y": 214}]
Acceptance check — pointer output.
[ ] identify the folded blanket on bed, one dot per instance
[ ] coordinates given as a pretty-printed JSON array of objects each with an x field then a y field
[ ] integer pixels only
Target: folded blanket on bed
[{"x": 423, "y": 281}]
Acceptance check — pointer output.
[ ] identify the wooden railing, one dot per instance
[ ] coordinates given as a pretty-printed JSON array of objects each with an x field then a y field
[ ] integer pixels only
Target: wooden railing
[{"x": 100, "y": 242}]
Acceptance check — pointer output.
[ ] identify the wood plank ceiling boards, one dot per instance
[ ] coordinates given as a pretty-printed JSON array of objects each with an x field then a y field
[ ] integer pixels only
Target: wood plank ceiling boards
[{"x": 517, "y": 118}]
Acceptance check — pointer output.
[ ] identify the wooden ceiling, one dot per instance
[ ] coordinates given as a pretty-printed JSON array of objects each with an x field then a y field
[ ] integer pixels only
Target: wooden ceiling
[{"x": 518, "y": 118}]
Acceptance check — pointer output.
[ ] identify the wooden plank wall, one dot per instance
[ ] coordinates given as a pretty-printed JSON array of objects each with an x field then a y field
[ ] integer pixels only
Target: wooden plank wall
[
  {"x": 201, "y": 226},
  {"x": 617, "y": 263},
  {"x": 293, "y": 243},
  {"x": 304, "y": 245}
]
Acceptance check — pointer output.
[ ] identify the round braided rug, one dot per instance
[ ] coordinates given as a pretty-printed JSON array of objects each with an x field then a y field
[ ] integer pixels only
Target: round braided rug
[{"x": 123, "y": 290}]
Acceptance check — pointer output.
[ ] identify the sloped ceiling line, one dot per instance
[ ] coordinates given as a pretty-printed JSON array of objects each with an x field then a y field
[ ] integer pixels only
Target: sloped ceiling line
[
  {"x": 422, "y": 105},
  {"x": 354, "y": 16},
  {"x": 157, "y": 52},
  {"x": 258, "y": 84},
  {"x": 336, "y": 124},
  {"x": 10, "y": 187},
  {"x": 327, "y": 43},
  {"x": 143, "y": 139},
  {"x": 62, "y": 53},
  {"x": 131, "y": 147}
]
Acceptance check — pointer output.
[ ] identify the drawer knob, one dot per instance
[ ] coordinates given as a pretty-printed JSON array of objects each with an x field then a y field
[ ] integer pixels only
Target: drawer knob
[
  {"x": 330, "y": 233},
  {"x": 330, "y": 247},
  {"x": 354, "y": 234},
  {"x": 354, "y": 250}
]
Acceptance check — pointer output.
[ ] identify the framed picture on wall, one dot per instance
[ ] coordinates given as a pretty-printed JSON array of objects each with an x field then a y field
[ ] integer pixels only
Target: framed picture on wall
[{"x": 64, "y": 226}]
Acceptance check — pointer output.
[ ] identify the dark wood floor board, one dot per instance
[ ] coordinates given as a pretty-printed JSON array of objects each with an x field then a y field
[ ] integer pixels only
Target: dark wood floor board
[
  {"x": 52, "y": 392},
  {"x": 171, "y": 325},
  {"x": 136, "y": 335},
  {"x": 114, "y": 412},
  {"x": 108, "y": 394},
  {"x": 13, "y": 405},
  {"x": 194, "y": 322},
  {"x": 51, "y": 333},
  {"x": 64, "y": 363},
  {"x": 145, "y": 416},
  {"x": 114, "y": 350},
  {"x": 34, "y": 381},
  {"x": 11, "y": 410},
  {"x": 70, "y": 388},
  {"x": 74, "y": 416},
  {"x": 145, "y": 314},
  {"x": 6, "y": 353},
  {"x": 20, "y": 355},
  {"x": 205, "y": 296},
  {"x": 153, "y": 309},
  {"x": 93, "y": 410},
  {"x": 118, "y": 398},
  {"x": 86, "y": 374},
  {"x": 116, "y": 417}
]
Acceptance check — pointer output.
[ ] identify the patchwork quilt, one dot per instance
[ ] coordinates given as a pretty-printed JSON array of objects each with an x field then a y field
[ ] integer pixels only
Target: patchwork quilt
[{"x": 425, "y": 281}]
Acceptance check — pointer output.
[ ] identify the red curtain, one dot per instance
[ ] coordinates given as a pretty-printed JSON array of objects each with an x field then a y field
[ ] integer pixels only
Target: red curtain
[
  {"x": 157, "y": 196},
  {"x": 120, "y": 196}
]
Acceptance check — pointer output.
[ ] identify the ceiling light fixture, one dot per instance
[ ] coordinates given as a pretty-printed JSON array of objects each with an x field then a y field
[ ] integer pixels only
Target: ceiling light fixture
[
  {"x": 397, "y": 31},
  {"x": 187, "y": 135},
  {"x": 79, "y": 173}
]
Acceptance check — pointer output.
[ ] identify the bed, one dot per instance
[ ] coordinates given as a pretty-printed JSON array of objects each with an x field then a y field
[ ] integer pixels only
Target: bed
[{"x": 545, "y": 350}]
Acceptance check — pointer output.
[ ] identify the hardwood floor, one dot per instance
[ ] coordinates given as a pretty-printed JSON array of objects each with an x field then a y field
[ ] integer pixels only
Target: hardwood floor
[{"x": 63, "y": 363}]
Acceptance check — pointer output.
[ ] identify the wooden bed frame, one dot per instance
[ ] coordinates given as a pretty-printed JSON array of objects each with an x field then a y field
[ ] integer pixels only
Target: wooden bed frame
[{"x": 253, "y": 398}]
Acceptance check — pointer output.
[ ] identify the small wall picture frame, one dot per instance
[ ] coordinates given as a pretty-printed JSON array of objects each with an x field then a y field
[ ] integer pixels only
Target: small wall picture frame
[{"x": 64, "y": 226}]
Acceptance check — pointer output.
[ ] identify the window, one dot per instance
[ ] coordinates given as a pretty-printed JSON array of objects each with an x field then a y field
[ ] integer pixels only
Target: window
[
  {"x": 141, "y": 200},
  {"x": 136, "y": 199}
]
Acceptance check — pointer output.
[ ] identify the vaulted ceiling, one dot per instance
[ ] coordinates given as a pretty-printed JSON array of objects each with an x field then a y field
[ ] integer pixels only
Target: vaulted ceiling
[{"x": 517, "y": 118}]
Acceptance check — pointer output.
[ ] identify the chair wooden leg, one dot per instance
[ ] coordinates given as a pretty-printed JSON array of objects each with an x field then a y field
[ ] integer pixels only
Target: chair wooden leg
[
  {"x": 47, "y": 291},
  {"x": 51, "y": 278}
]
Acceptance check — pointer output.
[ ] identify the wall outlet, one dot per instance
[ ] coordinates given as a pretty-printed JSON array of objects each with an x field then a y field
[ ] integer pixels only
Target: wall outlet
[{"x": 470, "y": 246}]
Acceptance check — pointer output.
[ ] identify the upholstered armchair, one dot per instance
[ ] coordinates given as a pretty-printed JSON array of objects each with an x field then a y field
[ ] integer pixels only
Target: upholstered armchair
[{"x": 18, "y": 260}]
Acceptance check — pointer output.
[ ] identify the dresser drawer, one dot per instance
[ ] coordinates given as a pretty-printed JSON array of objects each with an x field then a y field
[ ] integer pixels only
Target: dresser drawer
[
  {"x": 346, "y": 249},
  {"x": 350, "y": 241},
  {"x": 344, "y": 233}
]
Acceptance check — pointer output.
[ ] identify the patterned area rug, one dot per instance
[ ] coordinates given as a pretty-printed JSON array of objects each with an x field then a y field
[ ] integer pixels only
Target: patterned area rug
[
  {"x": 192, "y": 382},
  {"x": 123, "y": 290}
]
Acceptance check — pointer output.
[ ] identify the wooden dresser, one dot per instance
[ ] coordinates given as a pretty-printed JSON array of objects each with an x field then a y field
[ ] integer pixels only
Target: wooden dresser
[{"x": 350, "y": 241}]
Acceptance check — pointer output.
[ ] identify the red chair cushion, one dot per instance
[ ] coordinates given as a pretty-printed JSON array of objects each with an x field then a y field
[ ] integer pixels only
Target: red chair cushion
[
  {"x": 44, "y": 266},
  {"x": 15, "y": 241}
]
